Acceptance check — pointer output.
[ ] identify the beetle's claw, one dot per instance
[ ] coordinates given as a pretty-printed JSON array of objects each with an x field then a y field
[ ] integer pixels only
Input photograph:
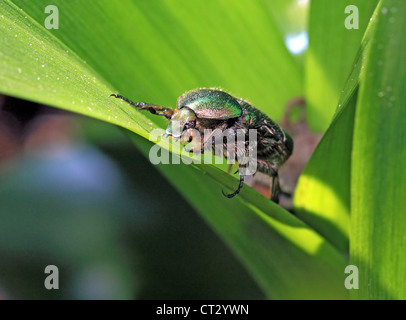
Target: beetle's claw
[{"x": 231, "y": 195}]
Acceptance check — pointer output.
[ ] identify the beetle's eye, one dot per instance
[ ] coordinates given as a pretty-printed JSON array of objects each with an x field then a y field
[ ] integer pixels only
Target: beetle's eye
[{"x": 190, "y": 124}]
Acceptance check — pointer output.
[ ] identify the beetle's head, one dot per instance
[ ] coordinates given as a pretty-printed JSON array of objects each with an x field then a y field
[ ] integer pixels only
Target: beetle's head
[{"x": 182, "y": 119}]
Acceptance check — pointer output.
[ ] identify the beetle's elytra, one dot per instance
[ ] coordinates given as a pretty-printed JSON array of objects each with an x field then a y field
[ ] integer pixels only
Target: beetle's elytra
[{"x": 202, "y": 109}]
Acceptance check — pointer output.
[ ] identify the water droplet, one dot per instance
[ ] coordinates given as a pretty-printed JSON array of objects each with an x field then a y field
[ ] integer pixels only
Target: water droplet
[
  {"x": 389, "y": 88},
  {"x": 30, "y": 44},
  {"x": 384, "y": 10},
  {"x": 339, "y": 105},
  {"x": 57, "y": 78},
  {"x": 16, "y": 35},
  {"x": 381, "y": 94},
  {"x": 19, "y": 70},
  {"x": 38, "y": 78},
  {"x": 43, "y": 65},
  {"x": 73, "y": 102},
  {"x": 67, "y": 77},
  {"x": 393, "y": 10}
]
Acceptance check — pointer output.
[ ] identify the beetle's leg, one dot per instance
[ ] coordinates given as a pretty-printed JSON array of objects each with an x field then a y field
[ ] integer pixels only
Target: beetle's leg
[
  {"x": 276, "y": 189},
  {"x": 189, "y": 133},
  {"x": 236, "y": 191},
  {"x": 206, "y": 140},
  {"x": 272, "y": 171},
  {"x": 154, "y": 109}
]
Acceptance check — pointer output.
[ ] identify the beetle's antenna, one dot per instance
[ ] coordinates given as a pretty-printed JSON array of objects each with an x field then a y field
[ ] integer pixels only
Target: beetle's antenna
[
  {"x": 135, "y": 104},
  {"x": 154, "y": 109},
  {"x": 236, "y": 191}
]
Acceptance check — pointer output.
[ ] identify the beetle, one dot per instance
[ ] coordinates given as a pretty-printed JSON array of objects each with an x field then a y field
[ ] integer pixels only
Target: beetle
[{"x": 203, "y": 108}]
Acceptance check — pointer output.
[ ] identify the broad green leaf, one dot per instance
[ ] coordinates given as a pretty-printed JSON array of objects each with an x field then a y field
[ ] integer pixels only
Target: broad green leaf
[
  {"x": 283, "y": 254},
  {"x": 332, "y": 50},
  {"x": 378, "y": 220},
  {"x": 323, "y": 193},
  {"x": 322, "y": 197},
  {"x": 37, "y": 66},
  {"x": 154, "y": 51}
]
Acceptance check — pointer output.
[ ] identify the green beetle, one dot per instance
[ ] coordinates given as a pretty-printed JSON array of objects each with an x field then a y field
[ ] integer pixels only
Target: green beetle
[{"x": 203, "y": 109}]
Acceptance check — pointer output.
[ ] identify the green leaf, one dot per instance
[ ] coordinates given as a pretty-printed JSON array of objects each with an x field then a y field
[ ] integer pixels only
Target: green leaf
[
  {"x": 37, "y": 66},
  {"x": 322, "y": 197},
  {"x": 154, "y": 51},
  {"x": 283, "y": 254},
  {"x": 332, "y": 50},
  {"x": 323, "y": 193},
  {"x": 378, "y": 222}
]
